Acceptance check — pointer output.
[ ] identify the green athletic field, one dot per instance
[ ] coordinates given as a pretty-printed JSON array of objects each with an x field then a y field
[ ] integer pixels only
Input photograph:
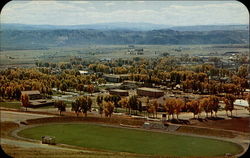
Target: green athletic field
[{"x": 130, "y": 140}]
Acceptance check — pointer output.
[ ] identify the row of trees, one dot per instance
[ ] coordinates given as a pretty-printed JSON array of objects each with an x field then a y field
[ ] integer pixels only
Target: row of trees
[
  {"x": 82, "y": 104},
  {"x": 172, "y": 106}
]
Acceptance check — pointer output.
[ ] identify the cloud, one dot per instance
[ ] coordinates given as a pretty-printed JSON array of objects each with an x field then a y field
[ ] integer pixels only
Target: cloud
[
  {"x": 161, "y": 12},
  {"x": 109, "y": 4}
]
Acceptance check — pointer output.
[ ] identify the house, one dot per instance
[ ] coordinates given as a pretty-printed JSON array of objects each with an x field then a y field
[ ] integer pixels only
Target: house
[
  {"x": 111, "y": 78},
  {"x": 36, "y": 99},
  {"x": 230, "y": 53},
  {"x": 35, "y": 94},
  {"x": 135, "y": 51},
  {"x": 115, "y": 78},
  {"x": 127, "y": 84},
  {"x": 83, "y": 72},
  {"x": 150, "y": 92},
  {"x": 139, "y": 51},
  {"x": 119, "y": 92},
  {"x": 105, "y": 60}
]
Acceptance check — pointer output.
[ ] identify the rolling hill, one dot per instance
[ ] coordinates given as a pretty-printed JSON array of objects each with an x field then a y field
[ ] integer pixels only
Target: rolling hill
[{"x": 56, "y": 37}]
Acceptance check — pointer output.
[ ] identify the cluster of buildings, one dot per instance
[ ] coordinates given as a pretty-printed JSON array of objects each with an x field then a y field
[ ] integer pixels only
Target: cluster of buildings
[{"x": 134, "y": 51}]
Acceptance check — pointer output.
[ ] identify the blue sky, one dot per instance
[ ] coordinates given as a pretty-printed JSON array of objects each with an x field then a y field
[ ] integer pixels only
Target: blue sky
[{"x": 176, "y": 13}]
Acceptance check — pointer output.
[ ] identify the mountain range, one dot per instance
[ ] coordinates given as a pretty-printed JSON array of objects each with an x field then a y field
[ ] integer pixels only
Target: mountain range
[
  {"x": 123, "y": 26},
  {"x": 20, "y": 36}
]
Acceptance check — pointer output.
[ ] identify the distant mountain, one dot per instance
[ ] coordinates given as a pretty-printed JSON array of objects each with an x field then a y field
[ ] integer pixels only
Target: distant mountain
[
  {"x": 42, "y": 39},
  {"x": 98, "y": 26},
  {"x": 123, "y": 26},
  {"x": 210, "y": 27}
]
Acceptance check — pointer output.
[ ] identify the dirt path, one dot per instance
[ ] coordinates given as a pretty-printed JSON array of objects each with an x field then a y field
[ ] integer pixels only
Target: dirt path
[
  {"x": 19, "y": 116},
  {"x": 26, "y": 144}
]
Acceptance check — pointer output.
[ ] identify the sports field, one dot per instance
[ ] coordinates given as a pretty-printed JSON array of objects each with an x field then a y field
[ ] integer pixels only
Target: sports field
[{"x": 130, "y": 140}]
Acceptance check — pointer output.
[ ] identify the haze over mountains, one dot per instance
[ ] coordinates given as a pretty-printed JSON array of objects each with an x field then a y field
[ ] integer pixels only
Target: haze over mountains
[
  {"x": 123, "y": 26},
  {"x": 22, "y": 36}
]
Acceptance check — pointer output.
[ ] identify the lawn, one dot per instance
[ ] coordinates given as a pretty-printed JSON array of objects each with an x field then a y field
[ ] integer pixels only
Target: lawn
[
  {"x": 13, "y": 104},
  {"x": 130, "y": 140}
]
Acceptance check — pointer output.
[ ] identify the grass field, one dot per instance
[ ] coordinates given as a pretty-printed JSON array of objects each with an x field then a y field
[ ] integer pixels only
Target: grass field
[
  {"x": 13, "y": 104},
  {"x": 63, "y": 54},
  {"x": 133, "y": 141}
]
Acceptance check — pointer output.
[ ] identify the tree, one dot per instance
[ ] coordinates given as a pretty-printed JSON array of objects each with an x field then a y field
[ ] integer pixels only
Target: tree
[
  {"x": 123, "y": 103},
  {"x": 170, "y": 107},
  {"x": 80, "y": 87},
  {"x": 108, "y": 108},
  {"x": 179, "y": 104},
  {"x": 115, "y": 99},
  {"x": 90, "y": 88},
  {"x": 134, "y": 103},
  {"x": 194, "y": 107},
  {"x": 99, "y": 101},
  {"x": 82, "y": 104},
  {"x": 214, "y": 101},
  {"x": 63, "y": 86},
  {"x": 229, "y": 103},
  {"x": 248, "y": 101},
  {"x": 60, "y": 105},
  {"x": 151, "y": 108},
  {"x": 242, "y": 71},
  {"x": 155, "y": 106},
  {"x": 76, "y": 107},
  {"x": 86, "y": 104},
  {"x": 25, "y": 100},
  {"x": 205, "y": 104}
]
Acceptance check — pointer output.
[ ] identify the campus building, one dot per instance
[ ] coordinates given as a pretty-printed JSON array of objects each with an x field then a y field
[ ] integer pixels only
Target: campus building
[
  {"x": 119, "y": 92},
  {"x": 149, "y": 92},
  {"x": 36, "y": 99}
]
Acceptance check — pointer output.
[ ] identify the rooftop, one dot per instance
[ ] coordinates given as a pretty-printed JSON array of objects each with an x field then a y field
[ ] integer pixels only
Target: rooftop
[
  {"x": 149, "y": 89},
  {"x": 111, "y": 75},
  {"x": 30, "y": 92},
  {"x": 118, "y": 90}
]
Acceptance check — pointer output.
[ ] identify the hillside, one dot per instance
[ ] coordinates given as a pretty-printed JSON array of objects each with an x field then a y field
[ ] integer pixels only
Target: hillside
[
  {"x": 123, "y": 26},
  {"x": 42, "y": 39}
]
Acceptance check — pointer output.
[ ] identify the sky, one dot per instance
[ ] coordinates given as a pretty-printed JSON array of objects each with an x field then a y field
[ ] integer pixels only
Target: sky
[{"x": 174, "y": 13}]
